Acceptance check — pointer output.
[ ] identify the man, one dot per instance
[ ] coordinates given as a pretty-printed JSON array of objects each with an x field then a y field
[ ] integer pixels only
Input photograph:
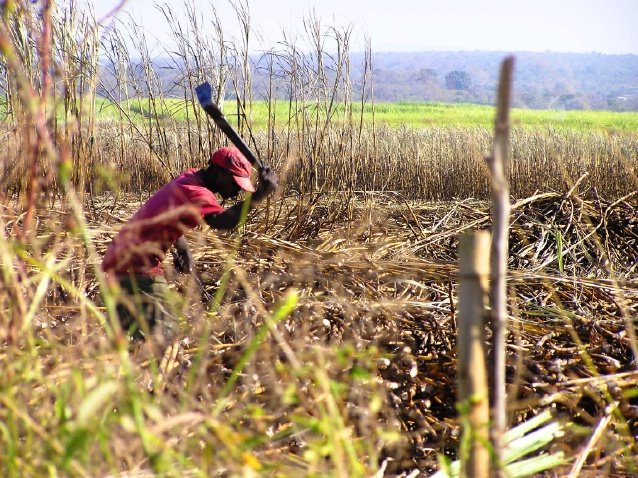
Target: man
[{"x": 134, "y": 257}]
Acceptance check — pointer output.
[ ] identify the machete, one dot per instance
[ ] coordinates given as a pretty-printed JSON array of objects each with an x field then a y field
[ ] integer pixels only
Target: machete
[{"x": 204, "y": 94}]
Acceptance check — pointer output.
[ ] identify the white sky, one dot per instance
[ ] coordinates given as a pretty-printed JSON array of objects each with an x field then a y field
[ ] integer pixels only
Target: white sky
[{"x": 605, "y": 26}]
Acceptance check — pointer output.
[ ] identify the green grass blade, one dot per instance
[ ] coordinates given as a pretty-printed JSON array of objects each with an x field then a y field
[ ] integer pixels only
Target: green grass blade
[
  {"x": 535, "y": 465},
  {"x": 95, "y": 402}
]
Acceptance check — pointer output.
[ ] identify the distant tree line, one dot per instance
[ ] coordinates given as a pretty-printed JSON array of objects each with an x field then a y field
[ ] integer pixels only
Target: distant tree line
[{"x": 542, "y": 80}]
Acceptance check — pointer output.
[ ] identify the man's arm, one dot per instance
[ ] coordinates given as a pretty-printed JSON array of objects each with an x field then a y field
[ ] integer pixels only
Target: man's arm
[
  {"x": 230, "y": 217},
  {"x": 227, "y": 219},
  {"x": 184, "y": 263}
]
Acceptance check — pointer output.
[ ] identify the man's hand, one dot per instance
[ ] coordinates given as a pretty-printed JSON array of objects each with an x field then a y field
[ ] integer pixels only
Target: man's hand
[
  {"x": 184, "y": 264},
  {"x": 182, "y": 256},
  {"x": 268, "y": 182}
]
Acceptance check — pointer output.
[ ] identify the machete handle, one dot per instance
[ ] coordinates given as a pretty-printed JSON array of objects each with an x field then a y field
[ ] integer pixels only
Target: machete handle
[{"x": 204, "y": 94}]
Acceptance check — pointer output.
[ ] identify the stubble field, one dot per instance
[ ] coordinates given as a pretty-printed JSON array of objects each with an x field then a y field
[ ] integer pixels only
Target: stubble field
[{"x": 330, "y": 345}]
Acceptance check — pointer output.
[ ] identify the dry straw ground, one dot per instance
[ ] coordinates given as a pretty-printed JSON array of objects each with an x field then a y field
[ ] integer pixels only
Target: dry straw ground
[{"x": 372, "y": 335}]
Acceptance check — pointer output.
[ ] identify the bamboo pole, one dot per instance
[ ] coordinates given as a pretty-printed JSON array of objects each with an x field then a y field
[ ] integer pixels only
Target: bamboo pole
[
  {"x": 499, "y": 169},
  {"x": 473, "y": 400}
]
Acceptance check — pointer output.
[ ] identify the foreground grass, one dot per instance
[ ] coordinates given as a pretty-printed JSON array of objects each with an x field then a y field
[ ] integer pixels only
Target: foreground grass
[{"x": 414, "y": 114}]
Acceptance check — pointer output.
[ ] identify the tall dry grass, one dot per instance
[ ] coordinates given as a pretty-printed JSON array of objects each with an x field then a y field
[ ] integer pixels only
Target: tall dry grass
[{"x": 323, "y": 145}]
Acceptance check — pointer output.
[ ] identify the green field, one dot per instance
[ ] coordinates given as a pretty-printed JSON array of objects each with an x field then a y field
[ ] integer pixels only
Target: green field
[{"x": 413, "y": 114}]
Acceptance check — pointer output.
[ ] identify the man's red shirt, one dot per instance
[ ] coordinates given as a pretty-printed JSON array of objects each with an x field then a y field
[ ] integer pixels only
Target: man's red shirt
[{"x": 142, "y": 243}]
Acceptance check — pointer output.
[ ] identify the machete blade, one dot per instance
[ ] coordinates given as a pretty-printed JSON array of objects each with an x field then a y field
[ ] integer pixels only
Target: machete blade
[{"x": 204, "y": 94}]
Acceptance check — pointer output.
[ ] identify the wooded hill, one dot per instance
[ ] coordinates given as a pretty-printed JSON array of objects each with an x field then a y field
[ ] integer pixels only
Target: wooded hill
[{"x": 541, "y": 81}]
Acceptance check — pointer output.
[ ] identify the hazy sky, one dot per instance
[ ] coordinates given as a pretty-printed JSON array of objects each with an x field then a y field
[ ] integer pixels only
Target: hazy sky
[{"x": 606, "y": 26}]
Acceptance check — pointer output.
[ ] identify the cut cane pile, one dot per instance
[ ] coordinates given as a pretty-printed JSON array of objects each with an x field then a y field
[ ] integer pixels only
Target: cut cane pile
[{"x": 387, "y": 280}]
